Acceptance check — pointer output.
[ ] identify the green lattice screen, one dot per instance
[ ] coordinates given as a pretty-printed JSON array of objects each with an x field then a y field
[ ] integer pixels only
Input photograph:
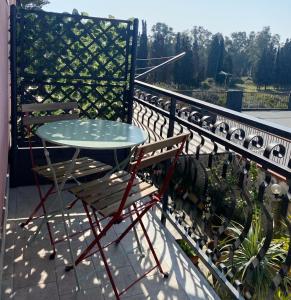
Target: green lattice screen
[{"x": 62, "y": 58}]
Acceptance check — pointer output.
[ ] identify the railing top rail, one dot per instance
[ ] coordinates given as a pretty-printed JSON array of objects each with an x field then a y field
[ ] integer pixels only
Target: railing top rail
[
  {"x": 245, "y": 152},
  {"x": 264, "y": 125}
]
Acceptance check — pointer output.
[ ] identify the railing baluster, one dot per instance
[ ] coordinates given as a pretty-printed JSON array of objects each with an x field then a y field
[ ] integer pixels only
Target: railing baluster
[{"x": 170, "y": 133}]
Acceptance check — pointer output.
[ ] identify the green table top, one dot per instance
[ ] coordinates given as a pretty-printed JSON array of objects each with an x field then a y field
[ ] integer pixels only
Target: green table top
[{"x": 92, "y": 134}]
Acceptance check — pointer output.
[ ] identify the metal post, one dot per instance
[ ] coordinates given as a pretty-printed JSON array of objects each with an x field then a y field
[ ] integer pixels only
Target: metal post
[
  {"x": 172, "y": 117},
  {"x": 234, "y": 100},
  {"x": 170, "y": 134},
  {"x": 132, "y": 72},
  {"x": 13, "y": 86}
]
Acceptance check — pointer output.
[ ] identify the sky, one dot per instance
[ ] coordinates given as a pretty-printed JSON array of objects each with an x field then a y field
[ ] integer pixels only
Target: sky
[{"x": 223, "y": 16}]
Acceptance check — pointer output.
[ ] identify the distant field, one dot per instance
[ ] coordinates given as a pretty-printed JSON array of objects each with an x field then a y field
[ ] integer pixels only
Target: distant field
[
  {"x": 254, "y": 98},
  {"x": 249, "y": 86}
]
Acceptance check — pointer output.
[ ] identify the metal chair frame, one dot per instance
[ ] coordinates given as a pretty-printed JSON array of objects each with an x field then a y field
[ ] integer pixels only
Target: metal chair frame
[
  {"x": 28, "y": 120},
  {"x": 139, "y": 210}
]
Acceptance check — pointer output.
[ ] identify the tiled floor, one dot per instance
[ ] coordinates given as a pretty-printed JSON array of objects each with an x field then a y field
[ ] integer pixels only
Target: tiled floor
[{"x": 29, "y": 274}]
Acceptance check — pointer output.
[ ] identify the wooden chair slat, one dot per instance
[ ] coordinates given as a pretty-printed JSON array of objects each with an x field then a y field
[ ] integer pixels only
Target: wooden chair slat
[
  {"x": 66, "y": 163},
  {"x": 37, "y": 107},
  {"x": 86, "y": 166},
  {"x": 92, "y": 171},
  {"x": 77, "y": 189},
  {"x": 111, "y": 209},
  {"x": 60, "y": 178},
  {"x": 27, "y": 120},
  {"x": 80, "y": 165},
  {"x": 152, "y": 147},
  {"x": 83, "y": 167},
  {"x": 101, "y": 203},
  {"x": 154, "y": 159},
  {"x": 105, "y": 188}
]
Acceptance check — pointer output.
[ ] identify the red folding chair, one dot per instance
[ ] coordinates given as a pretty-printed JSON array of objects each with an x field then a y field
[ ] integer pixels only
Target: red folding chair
[
  {"x": 122, "y": 195},
  {"x": 40, "y": 113}
]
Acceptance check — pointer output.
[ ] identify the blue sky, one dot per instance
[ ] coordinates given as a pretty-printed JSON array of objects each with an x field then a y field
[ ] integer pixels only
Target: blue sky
[{"x": 223, "y": 16}]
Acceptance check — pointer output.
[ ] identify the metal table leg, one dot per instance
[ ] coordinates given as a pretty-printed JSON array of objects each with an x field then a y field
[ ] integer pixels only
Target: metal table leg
[{"x": 59, "y": 189}]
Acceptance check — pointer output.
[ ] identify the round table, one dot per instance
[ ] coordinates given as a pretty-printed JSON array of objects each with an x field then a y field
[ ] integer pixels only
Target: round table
[{"x": 92, "y": 134}]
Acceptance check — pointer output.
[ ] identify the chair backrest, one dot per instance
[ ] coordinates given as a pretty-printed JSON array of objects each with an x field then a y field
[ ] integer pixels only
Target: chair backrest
[
  {"x": 40, "y": 113},
  {"x": 159, "y": 151},
  {"x": 30, "y": 112}
]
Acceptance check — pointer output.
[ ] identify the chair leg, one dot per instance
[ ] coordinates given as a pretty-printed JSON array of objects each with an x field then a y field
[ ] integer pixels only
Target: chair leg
[
  {"x": 97, "y": 236},
  {"x": 38, "y": 207},
  {"x": 71, "y": 204},
  {"x": 93, "y": 243},
  {"x": 132, "y": 225},
  {"x": 96, "y": 220},
  {"x": 149, "y": 242},
  {"x": 100, "y": 235},
  {"x": 52, "y": 241},
  {"x": 108, "y": 270},
  {"x": 97, "y": 239}
]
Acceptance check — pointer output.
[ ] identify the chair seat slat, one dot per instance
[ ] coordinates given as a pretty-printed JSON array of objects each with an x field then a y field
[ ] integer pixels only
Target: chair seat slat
[
  {"x": 106, "y": 188},
  {"x": 83, "y": 167},
  {"x": 97, "y": 182},
  {"x": 104, "y": 200},
  {"x": 111, "y": 209},
  {"x": 80, "y": 165},
  {"x": 102, "y": 203}
]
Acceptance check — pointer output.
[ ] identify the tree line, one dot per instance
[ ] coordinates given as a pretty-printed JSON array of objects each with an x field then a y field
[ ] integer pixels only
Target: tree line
[{"x": 259, "y": 55}]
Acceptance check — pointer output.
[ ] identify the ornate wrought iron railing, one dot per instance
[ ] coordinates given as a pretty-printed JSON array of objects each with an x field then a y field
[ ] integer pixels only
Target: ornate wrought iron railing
[{"x": 231, "y": 192}]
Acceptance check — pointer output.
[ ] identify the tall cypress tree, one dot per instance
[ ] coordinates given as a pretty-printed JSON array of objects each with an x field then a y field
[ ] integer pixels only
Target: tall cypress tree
[
  {"x": 158, "y": 48},
  {"x": 203, "y": 38},
  {"x": 283, "y": 65},
  {"x": 264, "y": 71},
  {"x": 278, "y": 78},
  {"x": 177, "y": 64},
  {"x": 196, "y": 64},
  {"x": 142, "y": 51},
  {"x": 187, "y": 62},
  {"x": 215, "y": 56},
  {"x": 161, "y": 46},
  {"x": 227, "y": 63}
]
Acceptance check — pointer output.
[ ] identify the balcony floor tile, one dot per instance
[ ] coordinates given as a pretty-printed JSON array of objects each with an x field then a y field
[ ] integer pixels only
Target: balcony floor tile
[{"x": 29, "y": 274}]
